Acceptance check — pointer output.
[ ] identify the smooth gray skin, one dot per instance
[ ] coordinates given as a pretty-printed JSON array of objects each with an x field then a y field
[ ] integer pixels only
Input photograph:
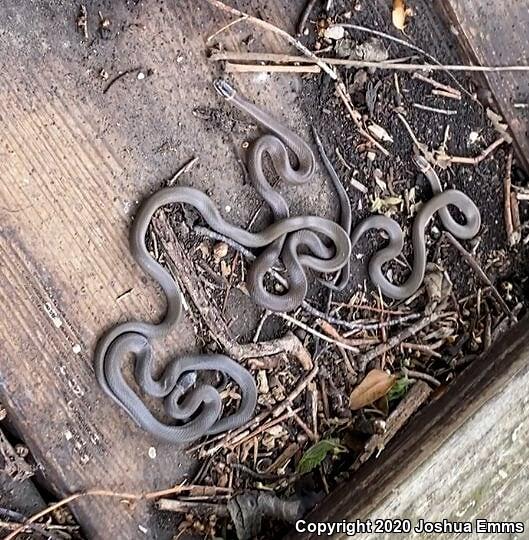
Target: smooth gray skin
[
  {"x": 439, "y": 203},
  {"x": 275, "y": 146},
  {"x": 134, "y": 337}
]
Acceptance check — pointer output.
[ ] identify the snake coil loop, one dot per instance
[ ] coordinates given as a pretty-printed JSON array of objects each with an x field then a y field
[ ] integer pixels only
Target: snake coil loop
[{"x": 197, "y": 408}]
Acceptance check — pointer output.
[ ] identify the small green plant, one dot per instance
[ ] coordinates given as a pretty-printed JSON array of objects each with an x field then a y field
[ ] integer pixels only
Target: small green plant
[
  {"x": 315, "y": 455},
  {"x": 399, "y": 389}
]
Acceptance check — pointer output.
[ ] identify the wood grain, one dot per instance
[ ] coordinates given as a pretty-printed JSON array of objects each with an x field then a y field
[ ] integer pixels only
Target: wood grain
[
  {"x": 75, "y": 163},
  {"x": 471, "y": 437},
  {"x": 495, "y": 33}
]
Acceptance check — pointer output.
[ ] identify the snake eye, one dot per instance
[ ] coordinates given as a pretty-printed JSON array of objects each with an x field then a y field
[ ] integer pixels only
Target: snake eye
[
  {"x": 186, "y": 381},
  {"x": 224, "y": 88}
]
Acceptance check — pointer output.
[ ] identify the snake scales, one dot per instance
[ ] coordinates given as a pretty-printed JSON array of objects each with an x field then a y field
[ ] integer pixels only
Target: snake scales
[
  {"x": 198, "y": 408},
  {"x": 295, "y": 241}
]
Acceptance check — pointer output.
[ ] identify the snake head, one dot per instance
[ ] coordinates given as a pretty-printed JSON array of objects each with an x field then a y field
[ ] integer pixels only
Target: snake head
[
  {"x": 224, "y": 88},
  {"x": 421, "y": 163}
]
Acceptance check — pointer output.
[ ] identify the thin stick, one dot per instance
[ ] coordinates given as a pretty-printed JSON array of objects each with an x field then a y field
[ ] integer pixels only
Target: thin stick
[
  {"x": 276, "y": 413},
  {"x": 355, "y": 117},
  {"x": 315, "y": 332},
  {"x": 384, "y": 64},
  {"x": 513, "y": 236},
  {"x": 272, "y": 28},
  {"x": 305, "y": 14},
  {"x": 436, "y": 84},
  {"x": 423, "y": 376},
  {"x": 447, "y": 112},
  {"x": 184, "y": 507},
  {"x": 310, "y": 434},
  {"x": 393, "y": 342},
  {"x": 479, "y": 271},
  {"x": 224, "y": 28},
  {"x": 478, "y": 159},
  {"x": 267, "y": 68},
  {"x": 405, "y": 44},
  {"x": 448, "y": 95},
  {"x": 186, "y": 168},
  {"x": 98, "y": 493}
]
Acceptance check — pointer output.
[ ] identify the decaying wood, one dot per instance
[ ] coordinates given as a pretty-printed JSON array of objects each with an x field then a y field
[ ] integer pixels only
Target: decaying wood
[
  {"x": 470, "y": 436},
  {"x": 497, "y": 32},
  {"x": 413, "y": 400},
  {"x": 11, "y": 464}
]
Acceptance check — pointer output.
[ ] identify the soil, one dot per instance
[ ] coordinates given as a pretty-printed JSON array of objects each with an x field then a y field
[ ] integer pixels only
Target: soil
[{"x": 163, "y": 111}]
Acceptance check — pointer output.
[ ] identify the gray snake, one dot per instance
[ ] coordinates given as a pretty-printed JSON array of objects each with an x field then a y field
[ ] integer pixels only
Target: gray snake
[
  {"x": 198, "y": 408},
  {"x": 439, "y": 203}
]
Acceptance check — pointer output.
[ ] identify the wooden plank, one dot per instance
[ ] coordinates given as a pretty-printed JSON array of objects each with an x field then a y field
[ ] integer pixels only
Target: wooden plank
[
  {"x": 495, "y": 33},
  {"x": 75, "y": 163},
  {"x": 473, "y": 437}
]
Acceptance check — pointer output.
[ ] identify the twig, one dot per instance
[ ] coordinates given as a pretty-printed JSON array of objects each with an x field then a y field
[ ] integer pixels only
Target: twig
[
  {"x": 513, "y": 236},
  {"x": 100, "y": 493},
  {"x": 310, "y": 330},
  {"x": 436, "y": 158},
  {"x": 436, "y": 84},
  {"x": 479, "y": 271},
  {"x": 313, "y": 390},
  {"x": 474, "y": 160},
  {"x": 272, "y": 28},
  {"x": 393, "y": 342},
  {"x": 225, "y": 27},
  {"x": 229, "y": 438},
  {"x": 384, "y": 64},
  {"x": 421, "y": 348},
  {"x": 204, "y": 231},
  {"x": 260, "y": 325},
  {"x": 186, "y": 168},
  {"x": 448, "y": 95},
  {"x": 310, "y": 434},
  {"x": 305, "y": 14},
  {"x": 184, "y": 507},
  {"x": 415, "y": 397},
  {"x": 118, "y": 77},
  {"x": 447, "y": 112},
  {"x": 356, "y": 117},
  {"x": 419, "y": 375},
  {"x": 386, "y": 324},
  {"x": 405, "y": 44},
  {"x": 243, "y": 438},
  {"x": 230, "y": 67}
]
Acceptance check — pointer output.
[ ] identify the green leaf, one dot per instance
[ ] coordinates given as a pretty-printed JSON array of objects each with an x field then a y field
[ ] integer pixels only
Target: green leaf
[
  {"x": 399, "y": 388},
  {"x": 315, "y": 455}
]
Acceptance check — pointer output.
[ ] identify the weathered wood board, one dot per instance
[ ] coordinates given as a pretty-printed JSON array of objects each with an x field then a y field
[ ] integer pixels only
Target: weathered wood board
[
  {"x": 495, "y": 33},
  {"x": 464, "y": 457},
  {"x": 75, "y": 163}
]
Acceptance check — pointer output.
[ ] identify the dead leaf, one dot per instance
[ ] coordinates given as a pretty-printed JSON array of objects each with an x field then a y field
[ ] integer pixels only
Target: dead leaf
[
  {"x": 379, "y": 133},
  {"x": 334, "y": 32},
  {"x": 377, "y": 383},
  {"x": 399, "y": 14}
]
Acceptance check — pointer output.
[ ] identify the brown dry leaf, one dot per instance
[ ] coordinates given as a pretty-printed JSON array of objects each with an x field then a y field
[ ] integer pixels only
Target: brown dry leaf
[
  {"x": 399, "y": 14},
  {"x": 377, "y": 383}
]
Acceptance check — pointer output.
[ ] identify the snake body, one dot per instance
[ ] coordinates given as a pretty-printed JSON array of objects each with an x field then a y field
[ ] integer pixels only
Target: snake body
[
  {"x": 299, "y": 242},
  {"x": 199, "y": 408},
  {"x": 276, "y": 145},
  {"x": 439, "y": 203}
]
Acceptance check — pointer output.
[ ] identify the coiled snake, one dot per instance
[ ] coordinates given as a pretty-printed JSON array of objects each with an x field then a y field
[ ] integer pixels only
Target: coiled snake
[
  {"x": 197, "y": 408},
  {"x": 200, "y": 406}
]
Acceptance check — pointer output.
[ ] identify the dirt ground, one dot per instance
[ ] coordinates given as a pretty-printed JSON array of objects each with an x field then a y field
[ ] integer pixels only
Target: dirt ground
[{"x": 143, "y": 85}]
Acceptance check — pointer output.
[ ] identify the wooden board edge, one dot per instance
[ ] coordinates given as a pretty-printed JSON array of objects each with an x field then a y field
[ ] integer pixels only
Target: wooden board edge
[{"x": 427, "y": 431}]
